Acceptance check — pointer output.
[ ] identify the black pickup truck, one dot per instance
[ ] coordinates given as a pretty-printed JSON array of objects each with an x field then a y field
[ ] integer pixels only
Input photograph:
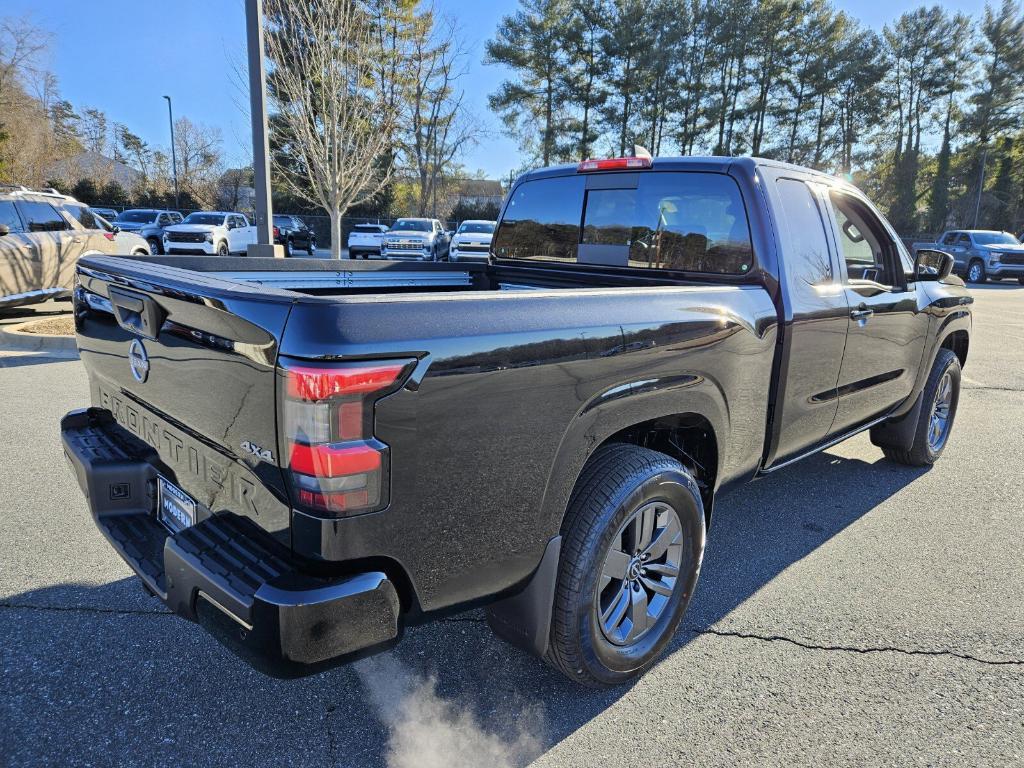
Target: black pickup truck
[{"x": 306, "y": 456}]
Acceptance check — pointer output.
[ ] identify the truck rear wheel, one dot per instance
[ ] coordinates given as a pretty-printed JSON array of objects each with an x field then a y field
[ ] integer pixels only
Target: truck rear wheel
[
  {"x": 633, "y": 542},
  {"x": 940, "y": 398}
]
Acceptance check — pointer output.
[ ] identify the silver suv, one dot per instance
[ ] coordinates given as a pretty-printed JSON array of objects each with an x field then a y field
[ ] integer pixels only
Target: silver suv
[{"x": 43, "y": 234}]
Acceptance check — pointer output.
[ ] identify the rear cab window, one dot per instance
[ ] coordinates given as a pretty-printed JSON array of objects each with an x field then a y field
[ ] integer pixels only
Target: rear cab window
[{"x": 672, "y": 220}]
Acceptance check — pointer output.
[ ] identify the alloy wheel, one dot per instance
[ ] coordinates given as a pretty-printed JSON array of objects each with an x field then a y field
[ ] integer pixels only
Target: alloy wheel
[
  {"x": 938, "y": 425},
  {"x": 640, "y": 573}
]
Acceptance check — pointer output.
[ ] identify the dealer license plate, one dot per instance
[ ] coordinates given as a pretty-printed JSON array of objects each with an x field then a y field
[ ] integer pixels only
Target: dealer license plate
[{"x": 174, "y": 508}]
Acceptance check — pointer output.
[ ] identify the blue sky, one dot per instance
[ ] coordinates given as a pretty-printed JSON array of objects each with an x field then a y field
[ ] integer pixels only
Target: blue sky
[{"x": 123, "y": 55}]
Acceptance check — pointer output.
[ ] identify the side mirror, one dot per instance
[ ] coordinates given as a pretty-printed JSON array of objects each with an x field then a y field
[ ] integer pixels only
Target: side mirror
[
  {"x": 930, "y": 264},
  {"x": 115, "y": 229},
  {"x": 4, "y": 230}
]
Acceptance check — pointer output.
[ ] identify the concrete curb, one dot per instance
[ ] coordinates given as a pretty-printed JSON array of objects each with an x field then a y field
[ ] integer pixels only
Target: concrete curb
[{"x": 13, "y": 339}]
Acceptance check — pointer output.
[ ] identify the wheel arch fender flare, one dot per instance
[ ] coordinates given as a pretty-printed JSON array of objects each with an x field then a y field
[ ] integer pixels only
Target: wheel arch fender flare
[{"x": 613, "y": 413}]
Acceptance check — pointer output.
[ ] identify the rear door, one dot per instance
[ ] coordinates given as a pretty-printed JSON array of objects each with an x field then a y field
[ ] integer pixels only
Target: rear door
[
  {"x": 816, "y": 318},
  {"x": 888, "y": 328},
  {"x": 200, "y": 384}
]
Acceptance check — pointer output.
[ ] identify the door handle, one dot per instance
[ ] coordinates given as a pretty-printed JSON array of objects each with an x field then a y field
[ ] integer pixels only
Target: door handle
[{"x": 862, "y": 314}]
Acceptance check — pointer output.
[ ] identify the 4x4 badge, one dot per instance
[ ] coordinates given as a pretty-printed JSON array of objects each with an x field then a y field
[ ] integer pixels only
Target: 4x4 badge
[{"x": 257, "y": 451}]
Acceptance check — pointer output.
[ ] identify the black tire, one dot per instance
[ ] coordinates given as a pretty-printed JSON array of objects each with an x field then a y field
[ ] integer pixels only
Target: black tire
[
  {"x": 288, "y": 247},
  {"x": 155, "y": 247},
  {"x": 975, "y": 276},
  {"x": 222, "y": 249},
  {"x": 1020, "y": 280},
  {"x": 617, "y": 484},
  {"x": 311, "y": 247},
  {"x": 923, "y": 451}
]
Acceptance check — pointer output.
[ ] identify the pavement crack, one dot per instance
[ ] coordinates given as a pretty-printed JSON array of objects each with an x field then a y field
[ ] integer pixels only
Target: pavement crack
[
  {"x": 857, "y": 649},
  {"x": 993, "y": 389},
  {"x": 82, "y": 609}
]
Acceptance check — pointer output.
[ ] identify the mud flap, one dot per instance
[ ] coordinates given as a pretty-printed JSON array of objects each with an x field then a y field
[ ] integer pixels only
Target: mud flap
[
  {"x": 898, "y": 433},
  {"x": 524, "y": 620}
]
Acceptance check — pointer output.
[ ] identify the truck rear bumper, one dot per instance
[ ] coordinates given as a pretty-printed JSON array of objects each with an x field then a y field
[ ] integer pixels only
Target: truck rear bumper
[{"x": 224, "y": 572}]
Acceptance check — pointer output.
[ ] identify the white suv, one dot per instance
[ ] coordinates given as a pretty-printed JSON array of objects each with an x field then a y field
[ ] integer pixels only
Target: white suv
[{"x": 43, "y": 234}]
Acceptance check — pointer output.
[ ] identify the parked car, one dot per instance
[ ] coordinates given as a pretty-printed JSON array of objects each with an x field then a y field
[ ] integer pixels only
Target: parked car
[
  {"x": 547, "y": 433},
  {"x": 981, "y": 254},
  {"x": 292, "y": 233},
  {"x": 422, "y": 239},
  {"x": 472, "y": 240},
  {"x": 149, "y": 223},
  {"x": 128, "y": 243},
  {"x": 107, "y": 213},
  {"x": 43, "y": 234},
  {"x": 365, "y": 240},
  {"x": 210, "y": 232}
]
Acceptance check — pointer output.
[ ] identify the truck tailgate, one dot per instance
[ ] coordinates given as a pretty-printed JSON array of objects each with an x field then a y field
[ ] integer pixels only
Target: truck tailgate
[{"x": 186, "y": 362}]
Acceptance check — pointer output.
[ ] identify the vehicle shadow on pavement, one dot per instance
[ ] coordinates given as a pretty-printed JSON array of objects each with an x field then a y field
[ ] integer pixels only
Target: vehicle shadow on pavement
[
  {"x": 15, "y": 359},
  {"x": 76, "y": 658}
]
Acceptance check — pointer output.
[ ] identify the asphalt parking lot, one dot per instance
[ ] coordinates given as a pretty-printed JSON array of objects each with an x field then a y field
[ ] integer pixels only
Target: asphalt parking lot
[{"x": 850, "y": 612}]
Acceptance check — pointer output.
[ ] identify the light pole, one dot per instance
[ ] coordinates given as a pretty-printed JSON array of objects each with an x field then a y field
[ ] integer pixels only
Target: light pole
[
  {"x": 264, "y": 245},
  {"x": 174, "y": 157},
  {"x": 981, "y": 186}
]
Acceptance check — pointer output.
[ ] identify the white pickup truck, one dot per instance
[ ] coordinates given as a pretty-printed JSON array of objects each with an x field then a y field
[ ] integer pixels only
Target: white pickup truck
[{"x": 211, "y": 233}]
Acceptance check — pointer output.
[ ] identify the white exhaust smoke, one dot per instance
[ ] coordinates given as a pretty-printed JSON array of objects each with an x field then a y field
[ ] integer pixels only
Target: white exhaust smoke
[{"x": 427, "y": 731}]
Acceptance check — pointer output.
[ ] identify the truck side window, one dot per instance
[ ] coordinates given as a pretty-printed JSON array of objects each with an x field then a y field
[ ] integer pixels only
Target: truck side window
[
  {"x": 867, "y": 251},
  {"x": 950, "y": 238},
  {"x": 808, "y": 255}
]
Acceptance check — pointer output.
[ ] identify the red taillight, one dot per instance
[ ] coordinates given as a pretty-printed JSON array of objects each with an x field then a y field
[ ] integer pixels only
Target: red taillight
[
  {"x": 334, "y": 461},
  {"x": 337, "y": 465},
  {"x": 109, "y": 235},
  {"x": 321, "y": 383},
  {"x": 277, "y": 232},
  {"x": 614, "y": 164}
]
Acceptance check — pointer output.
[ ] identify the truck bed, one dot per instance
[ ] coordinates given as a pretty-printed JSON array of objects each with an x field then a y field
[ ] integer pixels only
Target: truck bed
[{"x": 509, "y": 388}]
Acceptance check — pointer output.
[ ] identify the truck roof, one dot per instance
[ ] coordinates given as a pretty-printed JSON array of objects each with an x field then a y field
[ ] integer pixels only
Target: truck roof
[{"x": 707, "y": 164}]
